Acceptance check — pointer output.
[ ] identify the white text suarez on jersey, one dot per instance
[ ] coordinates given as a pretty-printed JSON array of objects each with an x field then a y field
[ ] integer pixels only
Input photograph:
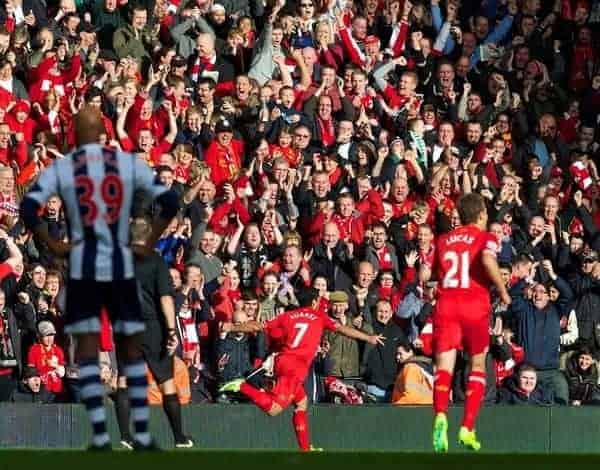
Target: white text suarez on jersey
[{"x": 303, "y": 314}]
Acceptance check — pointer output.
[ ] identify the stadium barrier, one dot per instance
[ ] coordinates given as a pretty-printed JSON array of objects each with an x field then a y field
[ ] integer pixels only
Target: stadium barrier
[{"x": 501, "y": 429}]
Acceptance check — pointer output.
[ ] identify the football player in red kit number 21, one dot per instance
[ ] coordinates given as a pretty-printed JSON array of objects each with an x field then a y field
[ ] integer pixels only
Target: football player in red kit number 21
[
  {"x": 298, "y": 332},
  {"x": 466, "y": 262}
]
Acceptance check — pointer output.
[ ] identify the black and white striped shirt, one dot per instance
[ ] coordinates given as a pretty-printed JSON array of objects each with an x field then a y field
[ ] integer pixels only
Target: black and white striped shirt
[{"x": 97, "y": 185}]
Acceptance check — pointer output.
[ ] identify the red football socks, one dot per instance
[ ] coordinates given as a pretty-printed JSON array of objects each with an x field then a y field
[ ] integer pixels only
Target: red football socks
[
  {"x": 259, "y": 397},
  {"x": 301, "y": 429},
  {"x": 473, "y": 398},
  {"x": 441, "y": 391}
]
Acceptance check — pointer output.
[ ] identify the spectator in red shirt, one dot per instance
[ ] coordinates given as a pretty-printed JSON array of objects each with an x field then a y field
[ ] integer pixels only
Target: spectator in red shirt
[
  {"x": 224, "y": 154},
  {"x": 48, "y": 358}
]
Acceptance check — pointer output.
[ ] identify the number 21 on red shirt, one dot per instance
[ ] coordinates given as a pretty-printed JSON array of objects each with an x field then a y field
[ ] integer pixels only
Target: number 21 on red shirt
[{"x": 458, "y": 271}]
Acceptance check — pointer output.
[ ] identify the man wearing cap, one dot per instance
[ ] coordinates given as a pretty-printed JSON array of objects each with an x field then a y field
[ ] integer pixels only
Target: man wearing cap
[
  {"x": 179, "y": 69},
  {"x": 345, "y": 352},
  {"x": 31, "y": 389},
  {"x": 48, "y": 358},
  {"x": 224, "y": 155}
]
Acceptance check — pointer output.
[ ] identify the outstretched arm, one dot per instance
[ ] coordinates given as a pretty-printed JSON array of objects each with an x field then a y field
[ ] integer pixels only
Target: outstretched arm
[
  {"x": 250, "y": 326},
  {"x": 356, "y": 334}
]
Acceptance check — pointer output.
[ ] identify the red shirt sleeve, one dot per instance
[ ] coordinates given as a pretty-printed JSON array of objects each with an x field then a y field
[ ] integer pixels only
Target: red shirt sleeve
[
  {"x": 490, "y": 244},
  {"x": 127, "y": 144},
  {"x": 5, "y": 270},
  {"x": 329, "y": 324},
  {"x": 274, "y": 328},
  {"x": 32, "y": 356}
]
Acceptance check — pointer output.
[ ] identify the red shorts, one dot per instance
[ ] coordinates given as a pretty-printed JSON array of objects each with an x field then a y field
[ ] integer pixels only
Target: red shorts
[
  {"x": 461, "y": 322},
  {"x": 290, "y": 373}
]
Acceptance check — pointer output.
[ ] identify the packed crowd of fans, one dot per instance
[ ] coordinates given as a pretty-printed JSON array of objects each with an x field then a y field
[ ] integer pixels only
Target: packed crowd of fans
[{"x": 319, "y": 143}]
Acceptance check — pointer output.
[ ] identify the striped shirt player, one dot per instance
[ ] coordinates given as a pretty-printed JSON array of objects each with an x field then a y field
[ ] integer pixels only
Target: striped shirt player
[{"x": 97, "y": 185}]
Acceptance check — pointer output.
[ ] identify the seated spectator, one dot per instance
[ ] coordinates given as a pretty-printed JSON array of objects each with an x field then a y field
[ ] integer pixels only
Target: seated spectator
[
  {"x": 31, "y": 389},
  {"x": 523, "y": 389},
  {"x": 414, "y": 383},
  {"x": 48, "y": 358},
  {"x": 582, "y": 377}
]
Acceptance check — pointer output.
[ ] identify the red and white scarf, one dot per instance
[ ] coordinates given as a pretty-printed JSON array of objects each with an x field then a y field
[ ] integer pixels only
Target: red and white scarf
[{"x": 200, "y": 65}]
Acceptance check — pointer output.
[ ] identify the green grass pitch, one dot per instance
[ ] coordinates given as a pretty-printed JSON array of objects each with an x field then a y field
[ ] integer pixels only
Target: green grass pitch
[{"x": 284, "y": 460}]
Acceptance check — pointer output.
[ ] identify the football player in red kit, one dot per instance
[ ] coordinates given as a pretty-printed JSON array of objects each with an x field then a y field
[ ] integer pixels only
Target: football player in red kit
[
  {"x": 298, "y": 332},
  {"x": 466, "y": 262}
]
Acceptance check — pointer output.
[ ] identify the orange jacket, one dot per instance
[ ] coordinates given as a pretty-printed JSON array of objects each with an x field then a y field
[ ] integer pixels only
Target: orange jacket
[
  {"x": 182, "y": 385},
  {"x": 413, "y": 386}
]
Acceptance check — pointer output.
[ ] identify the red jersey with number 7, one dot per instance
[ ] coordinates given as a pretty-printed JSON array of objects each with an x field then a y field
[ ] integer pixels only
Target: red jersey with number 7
[
  {"x": 299, "y": 331},
  {"x": 460, "y": 269}
]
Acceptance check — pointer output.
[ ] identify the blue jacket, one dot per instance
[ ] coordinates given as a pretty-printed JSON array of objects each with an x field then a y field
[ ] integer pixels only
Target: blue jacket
[{"x": 538, "y": 331}]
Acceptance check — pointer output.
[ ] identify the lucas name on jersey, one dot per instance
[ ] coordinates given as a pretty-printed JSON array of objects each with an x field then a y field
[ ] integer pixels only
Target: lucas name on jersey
[{"x": 460, "y": 238}]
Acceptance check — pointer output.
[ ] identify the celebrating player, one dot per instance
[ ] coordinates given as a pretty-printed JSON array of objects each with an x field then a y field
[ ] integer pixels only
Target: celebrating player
[
  {"x": 466, "y": 259},
  {"x": 97, "y": 185},
  {"x": 299, "y": 333}
]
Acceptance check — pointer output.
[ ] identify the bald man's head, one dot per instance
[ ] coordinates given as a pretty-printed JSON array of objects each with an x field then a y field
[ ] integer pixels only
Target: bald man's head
[
  {"x": 88, "y": 125},
  {"x": 331, "y": 235}
]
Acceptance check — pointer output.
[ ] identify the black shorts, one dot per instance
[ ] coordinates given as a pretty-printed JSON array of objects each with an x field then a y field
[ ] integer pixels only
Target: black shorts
[
  {"x": 86, "y": 298},
  {"x": 154, "y": 348}
]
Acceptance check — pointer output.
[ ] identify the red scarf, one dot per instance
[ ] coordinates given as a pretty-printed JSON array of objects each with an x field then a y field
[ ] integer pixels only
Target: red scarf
[
  {"x": 327, "y": 131},
  {"x": 344, "y": 225},
  {"x": 184, "y": 322},
  {"x": 385, "y": 259},
  {"x": 200, "y": 65}
]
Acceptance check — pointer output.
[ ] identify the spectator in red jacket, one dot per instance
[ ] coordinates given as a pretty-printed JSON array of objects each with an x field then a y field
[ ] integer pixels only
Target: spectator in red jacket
[
  {"x": 12, "y": 154},
  {"x": 48, "y": 358},
  {"x": 20, "y": 122},
  {"x": 224, "y": 155},
  {"x": 147, "y": 143}
]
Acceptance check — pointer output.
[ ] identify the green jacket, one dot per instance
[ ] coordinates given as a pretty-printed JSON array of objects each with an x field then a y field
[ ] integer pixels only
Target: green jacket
[
  {"x": 126, "y": 44},
  {"x": 345, "y": 353}
]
